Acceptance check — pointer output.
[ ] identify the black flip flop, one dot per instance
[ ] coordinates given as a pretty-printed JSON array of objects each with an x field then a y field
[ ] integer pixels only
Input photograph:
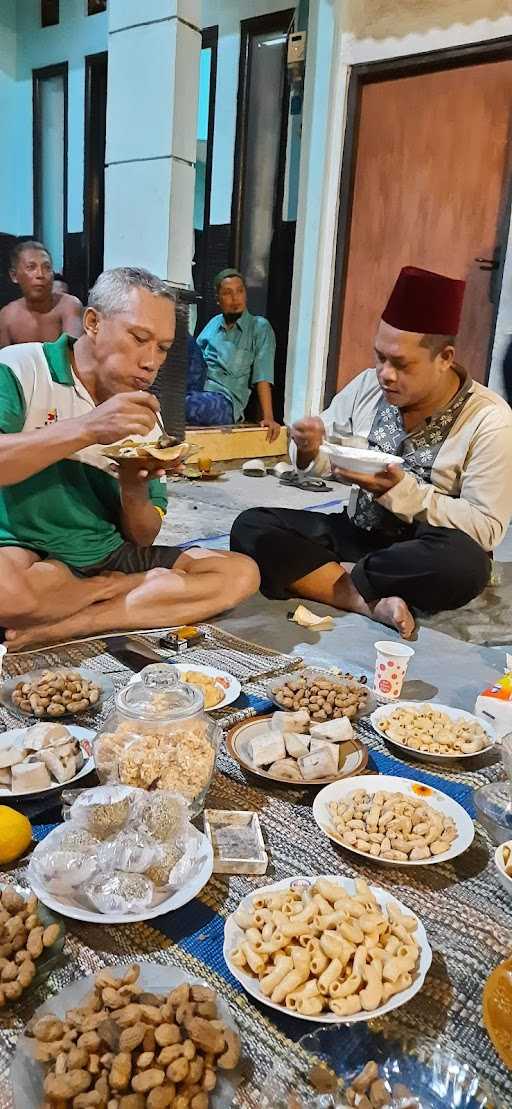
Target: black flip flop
[{"x": 310, "y": 484}]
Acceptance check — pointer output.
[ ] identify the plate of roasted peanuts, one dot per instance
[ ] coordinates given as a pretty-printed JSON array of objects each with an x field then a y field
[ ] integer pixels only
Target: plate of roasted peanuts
[{"x": 142, "y": 1035}]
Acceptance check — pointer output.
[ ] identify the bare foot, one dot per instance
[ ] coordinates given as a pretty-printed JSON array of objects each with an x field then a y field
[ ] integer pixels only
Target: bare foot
[{"x": 395, "y": 613}]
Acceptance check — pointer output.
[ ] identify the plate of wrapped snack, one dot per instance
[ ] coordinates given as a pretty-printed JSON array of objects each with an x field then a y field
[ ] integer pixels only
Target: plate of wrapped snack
[
  {"x": 55, "y": 694},
  {"x": 43, "y": 758},
  {"x": 188, "y": 1045},
  {"x": 326, "y": 975},
  {"x": 324, "y": 695},
  {"x": 123, "y": 855},
  {"x": 432, "y": 732},
  {"x": 289, "y": 748}
]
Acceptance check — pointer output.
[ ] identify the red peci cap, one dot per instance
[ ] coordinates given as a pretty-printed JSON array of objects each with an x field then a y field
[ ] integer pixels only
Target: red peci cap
[{"x": 425, "y": 302}]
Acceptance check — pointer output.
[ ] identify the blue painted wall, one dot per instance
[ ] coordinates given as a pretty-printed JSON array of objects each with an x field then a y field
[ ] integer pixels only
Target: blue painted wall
[{"x": 75, "y": 36}]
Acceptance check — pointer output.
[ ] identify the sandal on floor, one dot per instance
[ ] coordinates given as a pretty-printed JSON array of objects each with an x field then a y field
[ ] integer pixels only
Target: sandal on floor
[{"x": 310, "y": 484}]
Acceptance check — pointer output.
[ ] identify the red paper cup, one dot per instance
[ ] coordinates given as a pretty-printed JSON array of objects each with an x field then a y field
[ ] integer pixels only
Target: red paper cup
[{"x": 390, "y": 668}]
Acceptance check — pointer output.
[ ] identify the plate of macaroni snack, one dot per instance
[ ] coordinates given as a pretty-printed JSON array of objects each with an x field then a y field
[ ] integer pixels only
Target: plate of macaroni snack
[
  {"x": 327, "y": 949},
  {"x": 433, "y": 733},
  {"x": 393, "y": 820}
]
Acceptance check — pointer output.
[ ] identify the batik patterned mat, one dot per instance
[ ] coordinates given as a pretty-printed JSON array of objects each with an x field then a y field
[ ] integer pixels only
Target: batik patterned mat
[{"x": 466, "y": 913}]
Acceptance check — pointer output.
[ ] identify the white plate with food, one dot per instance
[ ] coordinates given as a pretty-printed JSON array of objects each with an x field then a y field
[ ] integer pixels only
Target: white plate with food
[
  {"x": 55, "y": 694},
  {"x": 432, "y": 732},
  {"x": 163, "y": 901},
  {"x": 323, "y": 694},
  {"x": 425, "y": 826},
  {"x": 217, "y": 686},
  {"x": 359, "y": 460},
  {"x": 285, "y": 754},
  {"x": 503, "y": 864},
  {"x": 44, "y": 758},
  {"x": 326, "y": 978},
  {"x": 27, "y": 1074}
]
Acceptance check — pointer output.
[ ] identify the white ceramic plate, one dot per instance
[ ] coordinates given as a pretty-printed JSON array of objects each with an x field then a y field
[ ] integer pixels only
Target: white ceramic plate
[
  {"x": 354, "y": 752},
  {"x": 422, "y": 706},
  {"x": 198, "y": 877},
  {"x": 233, "y": 934},
  {"x": 504, "y": 878},
  {"x": 359, "y": 460},
  {"x": 9, "y": 684},
  {"x": 310, "y": 673},
  {"x": 230, "y": 685},
  {"x": 389, "y": 784},
  {"x": 27, "y": 1075},
  {"x": 85, "y": 737}
]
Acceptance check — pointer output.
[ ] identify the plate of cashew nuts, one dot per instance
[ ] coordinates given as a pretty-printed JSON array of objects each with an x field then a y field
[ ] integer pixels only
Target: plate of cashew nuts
[
  {"x": 327, "y": 949},
  {"x": 167, "y": 1036},
  {"x": 395, "y": 821}
]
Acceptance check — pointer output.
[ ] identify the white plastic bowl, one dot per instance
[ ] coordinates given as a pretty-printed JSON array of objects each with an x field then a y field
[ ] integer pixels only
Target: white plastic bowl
[{"x": 359, "y": 460}]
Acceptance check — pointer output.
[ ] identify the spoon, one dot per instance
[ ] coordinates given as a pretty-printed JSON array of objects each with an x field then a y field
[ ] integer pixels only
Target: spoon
[{"x": 164, "y": 440}]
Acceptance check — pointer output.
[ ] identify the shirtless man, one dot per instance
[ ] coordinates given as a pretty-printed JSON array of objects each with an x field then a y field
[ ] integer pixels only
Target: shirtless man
[
  {"x": 77, "y": 543},
  {"x": 42, "y": 313}
]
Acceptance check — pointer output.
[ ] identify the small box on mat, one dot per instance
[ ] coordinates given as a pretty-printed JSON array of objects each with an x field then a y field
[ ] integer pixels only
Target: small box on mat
[
  {"x": 496, "y": 703},
  {"x": 237, "y": 842}
]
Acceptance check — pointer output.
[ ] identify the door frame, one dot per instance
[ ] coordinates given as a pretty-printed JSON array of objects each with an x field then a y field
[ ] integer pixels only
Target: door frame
[
  {"x": 60, "y": 69},
  {"x": 411, "y": 65},
  {"x": 92, "y": 61},
  {"x": 272, "y": 21},
  {"x": 209, "y": 41}
]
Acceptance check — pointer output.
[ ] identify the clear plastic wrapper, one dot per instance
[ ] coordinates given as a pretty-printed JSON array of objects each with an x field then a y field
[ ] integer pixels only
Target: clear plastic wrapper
[
  {"x": 121, "y": 892},
  {"x": 113, "y": 834}
]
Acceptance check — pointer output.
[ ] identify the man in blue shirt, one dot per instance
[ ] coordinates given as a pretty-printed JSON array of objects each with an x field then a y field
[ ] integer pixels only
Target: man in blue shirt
[{"x": 238, "y": 351}]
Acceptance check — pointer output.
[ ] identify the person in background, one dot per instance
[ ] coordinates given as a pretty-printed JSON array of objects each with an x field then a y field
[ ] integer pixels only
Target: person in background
[
  {"x": 41, "y": 314},
  {"x": 60, "y": 284},
  {"x": 239, "y": 351},
  {"x": 419, "y": 535},
  {"x": 77, "y": 542}
]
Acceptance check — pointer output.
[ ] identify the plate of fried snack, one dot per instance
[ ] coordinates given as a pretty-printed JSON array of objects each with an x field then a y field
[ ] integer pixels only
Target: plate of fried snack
[
  {"x": 143, "y": 455},
  {"x": 123, "y": 855},
  {"x": 141, "y": 1035},
  {"x": 53, "y": 694},
  {"x": 43, "y": 758},
  {"x": 299, "y": 947},
  {"x": 325, "y": 696},
  {"x": 217, "y": 686},
  {"x": 432, "y": 732},
  {"x": 31, "y": 938},
  {"x": 356, "y": 1066},
  {"x": 288, "y": 747},
  {"x": 395, "y": 821}
]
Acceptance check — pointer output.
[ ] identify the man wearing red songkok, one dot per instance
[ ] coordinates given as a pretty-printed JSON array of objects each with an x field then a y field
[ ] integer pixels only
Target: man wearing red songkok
[{"x": 416, "y": 537}]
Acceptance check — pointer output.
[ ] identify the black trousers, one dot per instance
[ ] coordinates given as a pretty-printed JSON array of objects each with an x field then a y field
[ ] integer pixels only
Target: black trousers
[{"x": 432, "y": 568}]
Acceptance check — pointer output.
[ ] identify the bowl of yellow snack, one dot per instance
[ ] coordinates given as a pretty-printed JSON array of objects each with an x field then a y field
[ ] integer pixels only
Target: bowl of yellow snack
[{"x": 503, "y": 863}]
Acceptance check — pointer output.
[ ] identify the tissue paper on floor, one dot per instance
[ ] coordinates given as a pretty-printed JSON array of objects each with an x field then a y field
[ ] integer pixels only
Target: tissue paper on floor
[{"x": 308, "y": 619}]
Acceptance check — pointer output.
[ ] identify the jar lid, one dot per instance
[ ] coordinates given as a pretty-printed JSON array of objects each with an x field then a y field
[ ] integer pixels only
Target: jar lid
[{"x": 158, "y": 694}]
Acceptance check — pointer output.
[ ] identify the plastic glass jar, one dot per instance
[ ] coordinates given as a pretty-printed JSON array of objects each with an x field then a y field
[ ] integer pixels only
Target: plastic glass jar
[{"x": 159, "y": 737}]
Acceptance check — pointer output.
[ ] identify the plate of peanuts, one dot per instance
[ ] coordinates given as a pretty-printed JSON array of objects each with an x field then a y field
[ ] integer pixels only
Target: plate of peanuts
[
  {"x": 53, "y": 694},
  {"x": 395, "y": 821},
  {"x": 31, "y": 939},
  {"x": 140, "y": 1037}
]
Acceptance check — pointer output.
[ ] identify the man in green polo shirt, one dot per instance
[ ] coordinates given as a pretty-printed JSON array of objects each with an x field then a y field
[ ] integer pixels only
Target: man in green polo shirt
[
  {"x": 238, "y": 355},
  {"x": 76, "y": 541}
]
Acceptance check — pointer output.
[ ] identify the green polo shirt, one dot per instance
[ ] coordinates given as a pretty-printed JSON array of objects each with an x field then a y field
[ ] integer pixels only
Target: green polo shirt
[
  {"x": 237, "y": 357},
  {"x": 71, "y": 510}
]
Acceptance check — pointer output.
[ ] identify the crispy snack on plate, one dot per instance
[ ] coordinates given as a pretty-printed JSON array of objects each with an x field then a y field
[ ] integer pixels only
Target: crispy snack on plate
[
  {"x": 327, "y": 949},
  {"x": 433, "y": 731},
  {"x": 131, "y": 1049},
  {"x": 391, "y": 826},
  {"x": 211, "y": 690}
]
